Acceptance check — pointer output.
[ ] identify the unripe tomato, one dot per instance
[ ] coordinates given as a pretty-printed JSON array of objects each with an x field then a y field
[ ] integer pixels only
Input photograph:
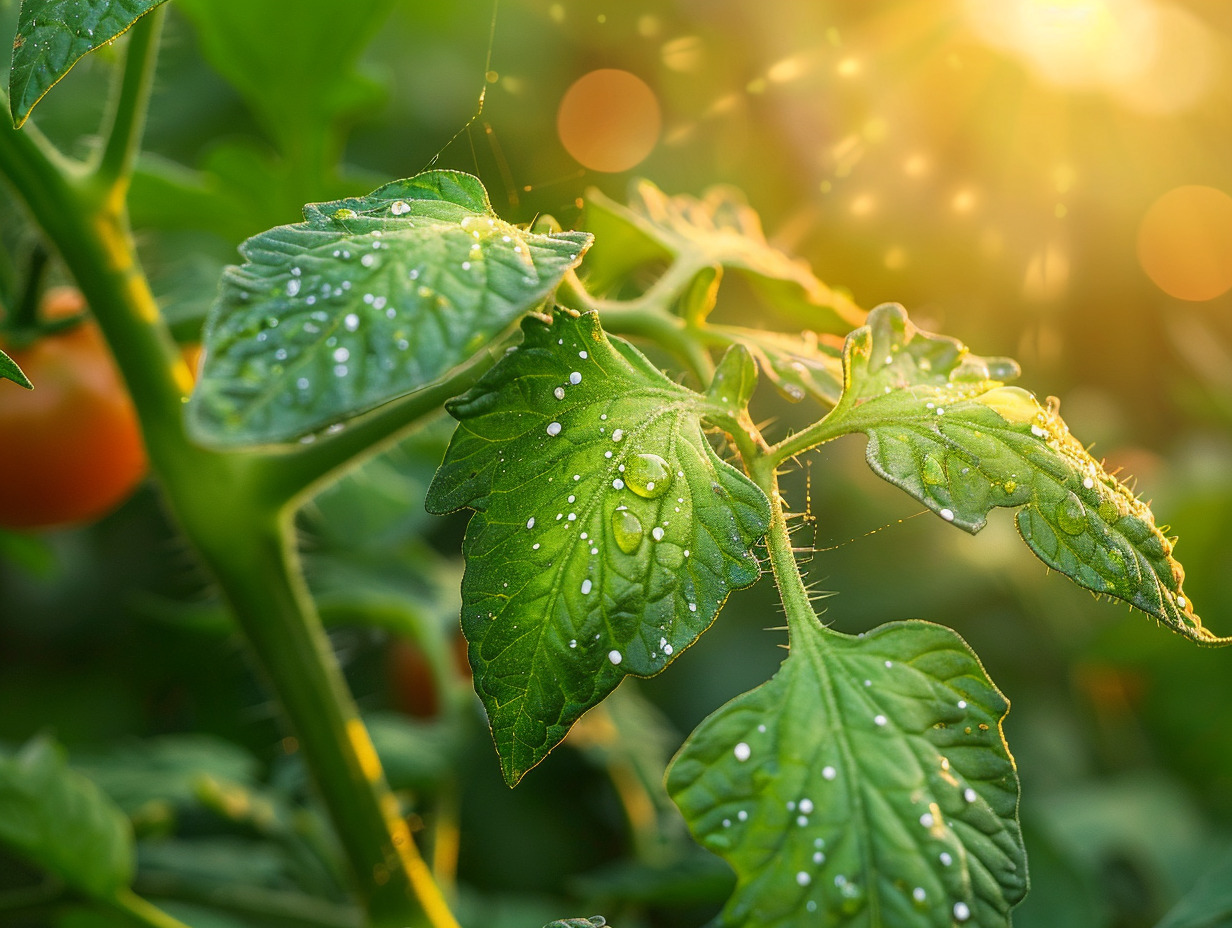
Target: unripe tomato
[{"x": 70, "y": 449}]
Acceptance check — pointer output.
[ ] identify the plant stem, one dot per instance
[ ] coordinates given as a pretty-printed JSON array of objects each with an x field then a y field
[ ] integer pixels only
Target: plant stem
[
  {"x": 801, "y": 618},
  {"x": 129, "y": 104},
  {"x": 818, "y": 433},
  {"x": 142, "y": 912}
]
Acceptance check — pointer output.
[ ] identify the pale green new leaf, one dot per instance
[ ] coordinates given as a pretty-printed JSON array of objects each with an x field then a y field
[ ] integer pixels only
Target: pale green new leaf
[
  {"x": 368, "y": 299},
  {"x": 799, "y": 366},
  {"x": 607, "y": 532},
  {"x": 942, "y": 426},
  {"x": 53, "y": 35},
  {"x": 866, "y": 785},
  {"x": 10, "y": 371},
  {"x": 717, "y": 230},
  {"x": 61, "y": 822}
]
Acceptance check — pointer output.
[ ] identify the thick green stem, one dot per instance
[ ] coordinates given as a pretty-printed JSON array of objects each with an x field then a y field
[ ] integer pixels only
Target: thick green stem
[{"x": 254, "y": 560}]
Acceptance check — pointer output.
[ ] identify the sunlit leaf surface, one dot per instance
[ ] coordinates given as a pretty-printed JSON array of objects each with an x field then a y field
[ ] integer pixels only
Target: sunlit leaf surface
[
  {"x": 867, "y": 784},
  {"x": 368, "y": 299},
  {"x": 717, "y": 230},
  {"x": 53, "y": 35},
  {"x": 62, "y": 823},
  {"x": 607, "y": 532},
  {"x": 942, "y": 426}
]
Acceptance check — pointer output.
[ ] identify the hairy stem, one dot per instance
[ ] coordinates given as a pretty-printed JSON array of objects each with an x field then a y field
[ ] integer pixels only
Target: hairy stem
[
  {"x": 800, "y": 613},
  {"x": 141, "y": 912}
]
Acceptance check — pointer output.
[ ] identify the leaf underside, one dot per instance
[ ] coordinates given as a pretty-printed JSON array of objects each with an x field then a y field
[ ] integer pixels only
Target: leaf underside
[
  {"x": 368, "y": 299},
  {"x": 607, "y": 533},
  {"x": 53, "y": 35},
  {"x": 942, "y": 426},
  {"x": 717, "y": 230},
  {"x": 61, "y": 822},
  {"x": 866, "y": 784}
]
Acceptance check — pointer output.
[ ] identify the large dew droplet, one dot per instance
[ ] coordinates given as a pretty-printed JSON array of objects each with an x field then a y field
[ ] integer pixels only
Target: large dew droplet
[
  {"x": 627, "y": 530},
  {"x": 1071, "y": 515},
  {"x": 648, "y": 475},
  {"x": 933, "y": 472}
]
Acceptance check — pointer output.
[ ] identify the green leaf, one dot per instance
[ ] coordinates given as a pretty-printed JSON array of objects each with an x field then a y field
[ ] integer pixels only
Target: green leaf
[
  {"x": 595, "y": 921},
  {"x": 942, "y": 426},
  {"x": 61, "y": 822},
  {"x": 10, "y": 371},
  {"x": 866, "y": 784},
  {"x": 717, "y": 230},
  {"x": 800, "y": 365},
  {"x": 607, "y": 532},
  {"x": 53, "y": 35},
  {"x": 368, "y": 299}
]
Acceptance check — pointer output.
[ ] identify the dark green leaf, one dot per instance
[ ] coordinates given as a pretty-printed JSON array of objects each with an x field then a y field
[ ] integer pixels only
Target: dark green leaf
[
  {"x": 717, "y": 230},
  {"x": 943, "y": 427},
  {"x": 607, "y": 532},
  {"x": 61, "y": 822},
  {"x": 866, "y": 784},
  {"x": 53, "y": 35},
  {"x": 10, "y": 371},
  {"x": 366, "y": 300}
]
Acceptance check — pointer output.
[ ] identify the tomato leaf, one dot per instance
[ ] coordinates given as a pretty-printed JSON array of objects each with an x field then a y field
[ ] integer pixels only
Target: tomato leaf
[
  {"x": 53, "y": 35},
  {"x": 942, "y": 426},
  {"x": 10, "y": 371},
  {"x": 800, "y": 365},
  {"x": 61, "y": 822},
  {"x": 717, "y": 230},
  {"x": 607, "y": 532},
  {"x": 867, "y": 783},
  {"x": 368, "y": 299}
]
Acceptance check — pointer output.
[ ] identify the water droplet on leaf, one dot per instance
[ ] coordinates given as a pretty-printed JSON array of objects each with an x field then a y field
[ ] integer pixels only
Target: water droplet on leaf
[
  {"x": 627, "y": 530},
  {"x": 648, "y": 475}
]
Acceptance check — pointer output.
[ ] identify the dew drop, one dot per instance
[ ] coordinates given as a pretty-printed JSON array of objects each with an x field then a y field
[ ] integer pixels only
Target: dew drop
[
  {"x": 586, "y": 588},
  {"x": 399, "y": 207},
  {"x": 368, "y": 260},
  {"x": 657, "y": 533},
  {"x": 648, "y": 475},
  {"x": 803, "y": 878},
  {"x": 933, "y": 472},
  {"x": 615, "y": 657},
  {"x": 293, "y": 286},
  {"x": 742, "y": 751},
  {"x": 879, "y": 720},
  {"x": 627, "y": 530},
  {"x": 559, "y": 393},
  {"x": 351, "y": 321},
  {"x": 969, "y": 794},
  {"x": 575, "y": 378},
  {"x": 530, "y": 523},
  {"x": 1071, "y": 515},
  {"x": 947, "y": 514},
  {"x": 1088, "y": 482},
  {"x": 618, "y": 434},
  {"x": 553, "y": 429},
  {"x": 806, "y": 806},
  {"x": 583, "y": 355},
  {"x": 828, "y": 773},
  {"x": 618, "y": 484},
  {"x": 945, "y": 858},
  {"x": 962, "y": 911}
]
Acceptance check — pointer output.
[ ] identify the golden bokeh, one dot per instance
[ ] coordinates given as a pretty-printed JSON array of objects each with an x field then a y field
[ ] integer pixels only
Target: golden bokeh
[
  {"x": 1185, "y": 243},
  {"x": 609, "y": 120}
]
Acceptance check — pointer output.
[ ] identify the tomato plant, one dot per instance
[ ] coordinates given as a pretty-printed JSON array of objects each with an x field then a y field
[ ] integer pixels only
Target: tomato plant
[
  {"x": 608, "y": 430},
  {"x": 76, "y": 437}
]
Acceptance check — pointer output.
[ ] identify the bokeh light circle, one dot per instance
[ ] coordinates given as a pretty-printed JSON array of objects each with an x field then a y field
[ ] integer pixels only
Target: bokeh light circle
[
  {"x": 609, "y": 120},
  {"x": 1185, "y": 243}
]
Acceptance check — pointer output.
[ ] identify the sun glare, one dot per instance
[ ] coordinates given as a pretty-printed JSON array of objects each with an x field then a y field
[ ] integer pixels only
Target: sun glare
[{"x": 1150, "y": 55}]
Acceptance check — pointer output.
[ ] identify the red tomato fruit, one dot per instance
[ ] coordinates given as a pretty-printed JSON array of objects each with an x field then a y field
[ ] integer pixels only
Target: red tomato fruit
[{"x": 71, "y": 448}]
